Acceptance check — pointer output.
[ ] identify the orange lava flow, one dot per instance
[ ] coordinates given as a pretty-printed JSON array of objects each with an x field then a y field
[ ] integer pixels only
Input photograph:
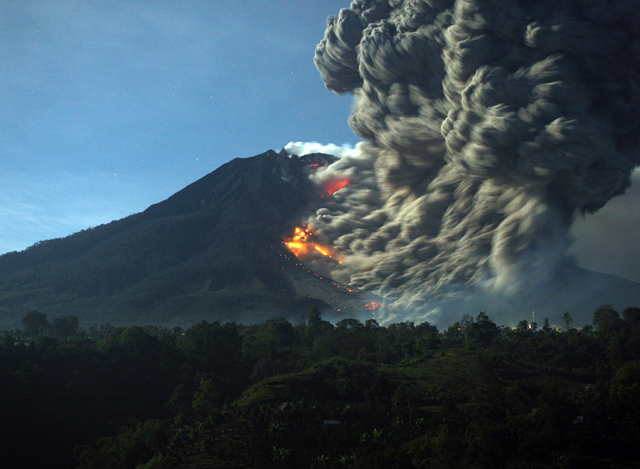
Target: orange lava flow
[
  {"x": 335, "y": 186},
  {"x": 322, "y": 251},
  {"x": 304, "y": 248},
  {"x": 373, "y": 305}
]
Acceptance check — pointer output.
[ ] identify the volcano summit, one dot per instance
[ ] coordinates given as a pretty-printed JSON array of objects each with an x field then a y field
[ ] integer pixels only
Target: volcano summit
[
  {"x": 212, "y": 251},
  {"x": 217, "y": 250}
]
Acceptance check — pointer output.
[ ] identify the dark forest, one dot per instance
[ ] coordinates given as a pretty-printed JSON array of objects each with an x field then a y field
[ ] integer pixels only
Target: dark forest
[{"x": 318, "y": 394}]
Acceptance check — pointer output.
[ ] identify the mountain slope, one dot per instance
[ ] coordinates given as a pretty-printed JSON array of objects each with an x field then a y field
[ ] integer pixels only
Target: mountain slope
[
  {"x": 214, "y": 251},
  {"x": 211, "y": 251}
]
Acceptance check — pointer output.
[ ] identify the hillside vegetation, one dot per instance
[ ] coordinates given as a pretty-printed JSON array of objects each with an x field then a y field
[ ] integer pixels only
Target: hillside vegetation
[{"x": 316, "y": 394}]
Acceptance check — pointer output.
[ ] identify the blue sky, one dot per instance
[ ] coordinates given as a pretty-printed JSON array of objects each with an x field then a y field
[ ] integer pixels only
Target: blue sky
[{"x": 109, "y": 107}]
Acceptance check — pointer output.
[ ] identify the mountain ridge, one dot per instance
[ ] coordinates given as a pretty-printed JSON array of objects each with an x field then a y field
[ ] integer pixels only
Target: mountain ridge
[
  {"x": 214, "y": 245},
  {"x": 214, "y": 251}
]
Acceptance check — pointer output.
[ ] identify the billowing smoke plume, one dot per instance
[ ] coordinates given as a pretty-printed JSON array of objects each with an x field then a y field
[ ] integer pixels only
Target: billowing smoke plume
[
  {"x": 306, "y": 148},
  {"x": 489, "y": 124}
]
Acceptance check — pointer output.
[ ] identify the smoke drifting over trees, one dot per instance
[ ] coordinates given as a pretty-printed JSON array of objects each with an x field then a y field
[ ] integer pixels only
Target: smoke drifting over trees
[{"x": 489, "y": 125}]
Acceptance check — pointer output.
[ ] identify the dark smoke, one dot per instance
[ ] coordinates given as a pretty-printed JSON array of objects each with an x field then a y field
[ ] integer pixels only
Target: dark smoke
[{"x": 489, "y": 125}]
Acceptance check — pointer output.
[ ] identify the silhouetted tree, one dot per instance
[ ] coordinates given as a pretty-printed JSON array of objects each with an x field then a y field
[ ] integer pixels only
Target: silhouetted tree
[
  {"x": 606, "y": 320},
  {"x": 624, "y": 396},
  {"x": 66, "y": 326},
  {"x": 371, "y": 325},
  {"x": 268, "y": 346},
  {"x": 35, "y": 323},
  {"x": 349, "y": 324},
  {"x": 217, "y": 348},
  {"x": 566, "y": 317},
  {"x": 632, "y": 316},
  {"x": 482, "y": 331},
  {"x": 465, "y": 322},
  {"x": 316, "y": 326}
]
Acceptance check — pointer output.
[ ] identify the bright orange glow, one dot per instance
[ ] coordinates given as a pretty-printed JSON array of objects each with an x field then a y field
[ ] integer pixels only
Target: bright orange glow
[
  {"x": 373, "y": 305},
  {"x": 335, "y": 186},
  {"x": 303, "y": 247},
  {"x": 301, "y": 235},
  {"x": 322, "y": 251}
]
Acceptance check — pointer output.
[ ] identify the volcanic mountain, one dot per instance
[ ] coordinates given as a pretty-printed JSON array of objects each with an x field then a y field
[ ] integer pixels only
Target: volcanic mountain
[
  {"x": 215, "y": 251},
  {"x": 212, "y": 251}
]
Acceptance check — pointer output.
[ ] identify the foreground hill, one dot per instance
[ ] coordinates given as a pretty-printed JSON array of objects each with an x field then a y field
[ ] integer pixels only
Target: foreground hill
[
  {"x": 353, "y": 395},
  {"x": 211, "y": 251}
]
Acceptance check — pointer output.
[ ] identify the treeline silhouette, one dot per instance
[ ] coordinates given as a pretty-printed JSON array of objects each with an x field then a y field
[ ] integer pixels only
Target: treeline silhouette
[{"x": 353, "y": 394}]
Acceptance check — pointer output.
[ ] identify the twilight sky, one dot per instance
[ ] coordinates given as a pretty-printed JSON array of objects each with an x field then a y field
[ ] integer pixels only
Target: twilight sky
[{"x": 109, "y": 107}]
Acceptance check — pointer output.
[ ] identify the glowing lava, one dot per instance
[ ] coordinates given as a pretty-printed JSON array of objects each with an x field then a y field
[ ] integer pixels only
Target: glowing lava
[
  {"x": 336, "y": 185},
  {"x": 322, "y": 251},
  {"x": 302, "y": 246}
]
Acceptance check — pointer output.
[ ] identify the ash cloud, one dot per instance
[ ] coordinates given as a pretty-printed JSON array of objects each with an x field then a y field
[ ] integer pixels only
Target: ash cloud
[
  {"x": 602, "y": 242},
  {"x": 489, "y": 125}
]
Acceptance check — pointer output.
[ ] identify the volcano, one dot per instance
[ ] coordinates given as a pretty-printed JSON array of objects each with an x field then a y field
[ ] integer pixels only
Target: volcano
[
  {"x": 212, "y": 251},
  {"x": 217, "y": 251}
]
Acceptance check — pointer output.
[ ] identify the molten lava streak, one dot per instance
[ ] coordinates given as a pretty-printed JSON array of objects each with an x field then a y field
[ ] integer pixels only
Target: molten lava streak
[
  {"x": 336, "y": 185},
  {"x": 302, "y": 246}
]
